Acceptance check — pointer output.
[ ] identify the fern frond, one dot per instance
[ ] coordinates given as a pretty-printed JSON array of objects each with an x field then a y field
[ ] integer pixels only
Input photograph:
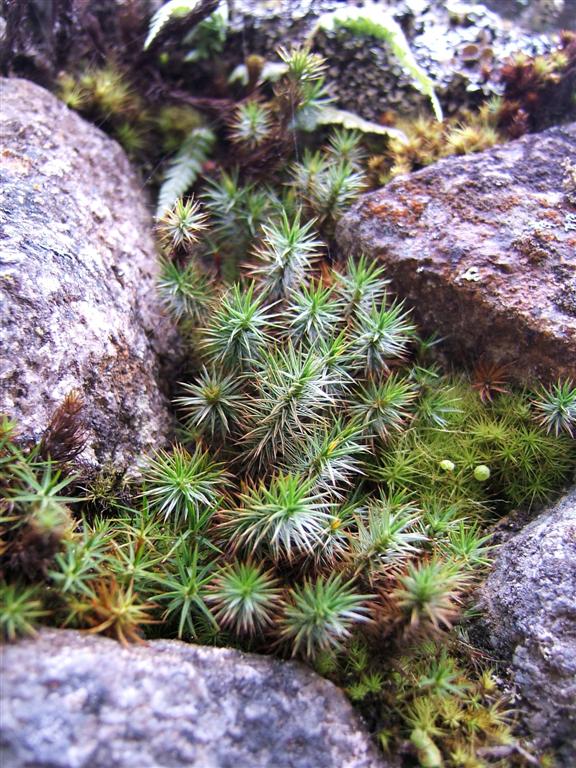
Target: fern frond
[{"x": 185, "y": 167}]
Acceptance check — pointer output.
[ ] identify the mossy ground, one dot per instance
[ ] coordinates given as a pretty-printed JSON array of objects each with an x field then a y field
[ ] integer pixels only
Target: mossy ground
[{"x": 332, "y": 490}]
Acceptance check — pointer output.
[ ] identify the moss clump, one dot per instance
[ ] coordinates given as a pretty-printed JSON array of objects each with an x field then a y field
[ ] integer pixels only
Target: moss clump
[
  {"x": 332, "y": 488},
  {"x": 328, "y": 498}
]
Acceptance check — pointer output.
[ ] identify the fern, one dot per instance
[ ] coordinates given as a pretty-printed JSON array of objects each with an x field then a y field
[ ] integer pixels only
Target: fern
[
  {"x": 376, "y": 21},
  {"x": 185, "y": 167}
]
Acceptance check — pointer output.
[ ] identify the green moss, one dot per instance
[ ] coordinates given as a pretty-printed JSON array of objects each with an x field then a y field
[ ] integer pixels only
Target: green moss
[{"x": 332, "y": 492}]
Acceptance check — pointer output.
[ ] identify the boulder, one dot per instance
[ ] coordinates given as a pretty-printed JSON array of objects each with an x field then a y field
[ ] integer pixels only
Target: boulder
[
  {"x": 529, "y": 618},
  {"x": 72, "y": 700},
  {"x": 78, "y": 265},
  {"x": 483, "y": 248}
]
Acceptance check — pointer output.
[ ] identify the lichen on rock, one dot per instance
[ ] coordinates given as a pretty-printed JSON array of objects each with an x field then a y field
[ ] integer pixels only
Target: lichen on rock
[
  {"x": 78, "y": 271},
  {"x": 483, "y": 250},
  {"x": 74, "y": 700}
]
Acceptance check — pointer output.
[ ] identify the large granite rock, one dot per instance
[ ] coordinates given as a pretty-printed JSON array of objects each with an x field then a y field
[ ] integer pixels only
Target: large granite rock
[
  {"x": 76, "y": 701},
  {"x": 529, "y": 615},
  {"x": 484, "y": 249},
  {"x": 77, "y": 280}
]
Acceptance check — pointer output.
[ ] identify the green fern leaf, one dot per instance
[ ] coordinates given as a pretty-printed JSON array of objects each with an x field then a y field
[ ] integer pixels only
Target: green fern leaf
[
  {"x": 376, "y": 21},
  {"x": 174, "y": 9},
  {"x": 185, "y": 167}
]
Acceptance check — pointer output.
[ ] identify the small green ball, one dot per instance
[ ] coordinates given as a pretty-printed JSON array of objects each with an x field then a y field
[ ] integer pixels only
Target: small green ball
[
  {"x": 447, "y": 465},
  {"x": 481, "y": 473}
]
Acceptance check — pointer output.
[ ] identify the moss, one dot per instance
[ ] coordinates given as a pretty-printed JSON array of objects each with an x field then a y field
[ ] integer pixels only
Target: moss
[{"x": 332, "y": 492}]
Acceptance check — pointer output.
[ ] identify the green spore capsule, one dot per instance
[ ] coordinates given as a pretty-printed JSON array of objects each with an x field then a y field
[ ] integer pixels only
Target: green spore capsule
[{"x": 481, "y": 473}]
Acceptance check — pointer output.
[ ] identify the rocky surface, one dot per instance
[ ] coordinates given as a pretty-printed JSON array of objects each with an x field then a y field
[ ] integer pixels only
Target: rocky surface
[
  {"x": 455, "y": 42},
  {"x": 72, "y": 700},
  {"x": 77, "y": 280},
  {"x": 529, "y": 613},
  {"x": 537, "y": 14},
  {"x": 483, "y": 248}
]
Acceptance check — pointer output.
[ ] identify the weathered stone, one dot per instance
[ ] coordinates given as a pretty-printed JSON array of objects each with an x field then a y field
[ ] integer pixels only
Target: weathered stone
[
  {"x": 72, "y": 700},
  {"x": 484, "y": 249},
  {"x": 537, "y": 14},
  {"x": 77, "y": 280},
  {"x": 529, "y": 612}
]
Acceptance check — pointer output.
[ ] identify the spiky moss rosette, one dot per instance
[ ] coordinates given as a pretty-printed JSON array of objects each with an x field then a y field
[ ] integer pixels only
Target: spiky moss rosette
[{"x": 332, "y": 486}]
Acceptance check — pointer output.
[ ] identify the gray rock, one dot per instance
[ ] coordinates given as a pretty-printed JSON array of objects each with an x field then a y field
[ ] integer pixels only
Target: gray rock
[
  {"x": 482, "y": 247},
  {"x": 77, "y": 280},
  {"x": 529, "y": 614},
  {"x": 72, "y": 700},
  {"x": 537, "y": 14}
]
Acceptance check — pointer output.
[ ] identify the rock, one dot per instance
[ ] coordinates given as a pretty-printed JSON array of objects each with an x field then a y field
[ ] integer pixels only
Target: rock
[
  {"x": 483, "y": 248},
  {"x": 72, "y": 700},
  {"x": 537, "y": 14},
  {"x": 77, "y": 281},
  {"x": 529, "y": 614},
  {"x": 364, "y": 77}
]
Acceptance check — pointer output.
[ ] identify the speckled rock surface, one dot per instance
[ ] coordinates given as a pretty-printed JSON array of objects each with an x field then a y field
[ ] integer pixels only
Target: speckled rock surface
[
  {"x": 484, "y": 249},
  {"x": 529, "y": 611},
  {"x": 77, "y": 280},
  {"x": 77, "y": 701},
  {"x": 455, "y": 42},
  {"x": 537, "y": 14}
]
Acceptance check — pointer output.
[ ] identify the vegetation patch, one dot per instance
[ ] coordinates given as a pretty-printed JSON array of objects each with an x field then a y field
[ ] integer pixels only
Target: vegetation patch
[{"x": 332, "y": 488}]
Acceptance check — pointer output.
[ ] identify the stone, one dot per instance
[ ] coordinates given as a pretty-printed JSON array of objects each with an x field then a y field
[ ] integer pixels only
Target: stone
[
  {"x": 529, "y": 618},
  {"x": 78, "y": 267},
  {"x": 72, "y": 700},
  {"x": 483, "y": 248},
  {"x": 537, "y": 14}
]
